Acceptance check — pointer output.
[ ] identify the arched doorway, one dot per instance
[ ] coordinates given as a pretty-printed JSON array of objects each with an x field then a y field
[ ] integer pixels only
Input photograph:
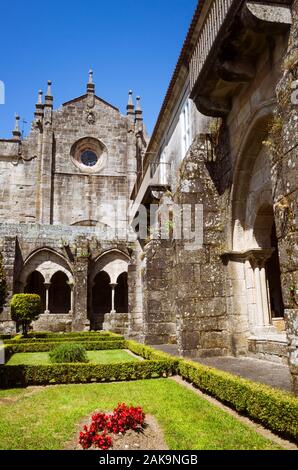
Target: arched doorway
[
  {"x": 274, "y": 279},
  {"x": 266, "y": 239},
  {"x": 121, "y": 294},
  {"x": 35, "y": 285},
  {"x": 108, "y": 291},
  {"x": 101, "y": 299},
  {"x": 59, "y": 294}
]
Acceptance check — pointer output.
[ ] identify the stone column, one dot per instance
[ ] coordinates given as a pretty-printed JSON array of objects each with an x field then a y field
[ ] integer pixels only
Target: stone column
[
  {"x": 258, "y": 260},
  {"x": 80, "y": 320},
  {"x": 113, "y": 286},
  {"x": 291, "y": 316},
  {"x": 265, "y": 299},
  {"x": 259, "y": 301},
  {"x": 71, "y": 285},
  {"x": 47, "y": 288},
  {"x": 135, "y": 295},
  {"x": 9, "y": 259}
]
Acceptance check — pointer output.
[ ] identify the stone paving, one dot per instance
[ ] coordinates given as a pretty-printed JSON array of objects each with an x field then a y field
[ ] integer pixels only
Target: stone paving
[{"x": 269, "y": 373}]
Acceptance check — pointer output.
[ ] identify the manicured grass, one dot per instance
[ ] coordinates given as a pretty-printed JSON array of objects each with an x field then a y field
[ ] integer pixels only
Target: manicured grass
[
  {"x": 29, "y": 358},
  {"x": 110, "y": 356},
  {"x": 98, "y": 357},
  {"x": 47, "y": 417}
]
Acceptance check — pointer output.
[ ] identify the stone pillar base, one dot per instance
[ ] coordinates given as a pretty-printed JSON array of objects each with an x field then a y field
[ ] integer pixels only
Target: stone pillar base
[{"x": 291, "y": 316}]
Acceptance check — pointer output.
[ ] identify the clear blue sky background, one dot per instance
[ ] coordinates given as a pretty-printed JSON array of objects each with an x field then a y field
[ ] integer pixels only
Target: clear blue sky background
[{"x": 128, "y": 43}]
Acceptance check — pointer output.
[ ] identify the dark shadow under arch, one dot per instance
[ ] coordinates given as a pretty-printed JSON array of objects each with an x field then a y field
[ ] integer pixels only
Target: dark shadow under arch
[
  {"x": 59, "y": 293},
  {"x": 265, "y": 236},
  {"x": 121, "y": 294},
  {"x": 101, "y": 293},
  {"x": 35, "y": 285}
]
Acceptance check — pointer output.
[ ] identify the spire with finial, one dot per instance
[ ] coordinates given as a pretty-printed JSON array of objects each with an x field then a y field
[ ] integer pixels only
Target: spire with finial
[
  {"x": 139, "y": 112},
  {"x": 49, "y": 96},
  {"x": 39, "y": 106},
  {"x": 16, "y": 132},
  {"x": 130, "y": 108},
  {"x": 90, "y": 84}
]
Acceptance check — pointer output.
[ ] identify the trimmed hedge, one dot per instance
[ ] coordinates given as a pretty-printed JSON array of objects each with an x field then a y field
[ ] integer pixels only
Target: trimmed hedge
[
  {"x": 79, "y": 334},
  {"x": 150, "y": 353},
  {"x": 275, "y": 409},
  {"x": 74, "y": 339},
  {"x": 48, "y": 346},
  {"x": 25, "y": 375}
]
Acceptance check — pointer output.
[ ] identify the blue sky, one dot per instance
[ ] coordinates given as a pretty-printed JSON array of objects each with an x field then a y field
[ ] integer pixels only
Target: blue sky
[{"x": 129, "y": 44}]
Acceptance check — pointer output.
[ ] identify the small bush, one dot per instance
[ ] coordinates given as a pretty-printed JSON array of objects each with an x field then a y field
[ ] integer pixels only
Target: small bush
[
  {"x": 68, "y": 353},
  {"x": 24, "y": 309}
]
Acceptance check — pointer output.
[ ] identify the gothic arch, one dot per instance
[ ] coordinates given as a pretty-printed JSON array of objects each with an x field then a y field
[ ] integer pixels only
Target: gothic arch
[
  {"x": 47, "y": 262},
  {"x": 250, "y": 151},
  {"x": 113, "y": 262}
]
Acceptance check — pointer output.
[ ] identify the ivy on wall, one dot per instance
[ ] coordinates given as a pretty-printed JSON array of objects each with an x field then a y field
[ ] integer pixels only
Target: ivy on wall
[{"x": 3, "y": 285}]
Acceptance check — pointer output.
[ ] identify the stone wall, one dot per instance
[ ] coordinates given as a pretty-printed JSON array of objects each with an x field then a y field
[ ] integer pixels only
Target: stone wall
[
  {"x": 158, "y": 292},
  {"x": 58, "y": 213},
  {"x": 74, "y": 250},
  {"x": 284, "y": 143}
]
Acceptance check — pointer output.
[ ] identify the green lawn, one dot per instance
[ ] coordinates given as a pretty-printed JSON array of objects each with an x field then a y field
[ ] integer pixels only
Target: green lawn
[
  {"x": 99, "y": 357},
  {"x": 47, "y": 417}
]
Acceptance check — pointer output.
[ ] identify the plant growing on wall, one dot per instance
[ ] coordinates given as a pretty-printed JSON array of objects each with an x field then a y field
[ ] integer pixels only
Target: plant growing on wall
[
  {"x": 3, "y": 285},
  {"x": 25, "y": 308}
]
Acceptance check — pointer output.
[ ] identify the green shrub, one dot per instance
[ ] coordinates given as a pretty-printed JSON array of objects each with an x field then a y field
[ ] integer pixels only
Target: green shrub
[
  {"x": 40, "y": 346},
  {"x": 273, "y": 408},
  {"x": 24, "y": 309},
  {"x": 6, "y": 337},
  {"x": 67, "y": 353},
  {"x": 25, "y": 375},
  {"x": 150, "y": 353},
  {"x": 61, "y": 339},
  {"x": 75, "y": 334}
]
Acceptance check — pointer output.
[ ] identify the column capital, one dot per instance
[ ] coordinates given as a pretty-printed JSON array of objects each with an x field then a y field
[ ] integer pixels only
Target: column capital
[{"x": 259, "y": 257}]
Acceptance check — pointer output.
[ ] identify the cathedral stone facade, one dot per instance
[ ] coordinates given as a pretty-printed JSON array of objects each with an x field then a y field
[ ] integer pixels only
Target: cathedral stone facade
[
  {"x": 64, "y": 205},
  {"x": 225, "y": 142}
]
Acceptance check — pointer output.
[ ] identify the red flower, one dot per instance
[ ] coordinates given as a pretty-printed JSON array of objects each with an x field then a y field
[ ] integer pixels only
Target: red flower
[{"x": 121, "y": 420}]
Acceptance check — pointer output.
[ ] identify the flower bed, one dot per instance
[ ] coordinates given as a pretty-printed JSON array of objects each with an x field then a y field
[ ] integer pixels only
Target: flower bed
[{"x": 99, "y": 433}]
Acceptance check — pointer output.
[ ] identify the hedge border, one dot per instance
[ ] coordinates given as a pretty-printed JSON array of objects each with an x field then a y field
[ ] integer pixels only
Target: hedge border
[
  {"x": 73, "y": 339},
  {"x": 275, "y": 409},
  {"x": 48, "y": 346},
  {"x": 25, "y": 375}
]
